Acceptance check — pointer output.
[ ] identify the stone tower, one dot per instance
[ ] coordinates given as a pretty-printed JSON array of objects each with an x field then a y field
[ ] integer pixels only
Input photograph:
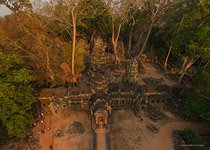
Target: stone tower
[
  {"x": 99, "y": 81},
  {"x": 98, "y": 71},
  {"x": 131, "y": 75},
  {"x": 98, "y": 57}
]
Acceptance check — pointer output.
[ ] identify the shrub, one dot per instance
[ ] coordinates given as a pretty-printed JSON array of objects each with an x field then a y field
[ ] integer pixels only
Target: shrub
[{"x": 192, "y": 138}]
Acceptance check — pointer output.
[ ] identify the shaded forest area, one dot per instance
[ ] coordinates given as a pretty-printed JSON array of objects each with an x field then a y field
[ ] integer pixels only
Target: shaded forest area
[{"x": 50, "y": 44}]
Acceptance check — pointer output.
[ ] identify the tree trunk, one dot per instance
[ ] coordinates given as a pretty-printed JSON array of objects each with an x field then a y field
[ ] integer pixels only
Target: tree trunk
[
  {"x": 139, "y": 40},
  {"x": 181, "y": 77},
  {"x": 147, "y": 37},
  {"x": 113, "y": 38},
  {"x": 115, "y": 41},
  {"x": 166, "y": 61},
  {"x": 117, "y": 59},
  {"x": 207, "y": 63},
  {"x": 73, "y": 46},
  {"x": 186, "y": 67},
  {"x": 92, "y": 41},
  {"x": 184, "y": 64},
  {"x": 137, "y": 46},
  {"x": 50, "y": 71},
  {"x": 130, "y": 41}
]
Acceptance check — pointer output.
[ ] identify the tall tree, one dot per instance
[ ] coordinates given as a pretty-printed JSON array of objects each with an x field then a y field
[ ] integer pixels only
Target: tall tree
[
  {"x": 156, "y": 9},
  {"x": 193, "y": 39},
  {"x": 173, "y": 20},
  {"x": 39, "y": 45},
  {"x": 69, "y": 14},
  {"x": 118, "y": 11}
]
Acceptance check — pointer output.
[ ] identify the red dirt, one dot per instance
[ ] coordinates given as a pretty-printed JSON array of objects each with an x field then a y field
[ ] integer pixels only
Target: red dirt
[{"x": 62, "y": 122}]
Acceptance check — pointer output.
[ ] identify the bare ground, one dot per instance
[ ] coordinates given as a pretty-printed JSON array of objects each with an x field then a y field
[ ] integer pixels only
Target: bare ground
[
  {"x": 54, "y": 123},
  {"x": 151, "y": 71},
  {"x": 130, "y": 133}
]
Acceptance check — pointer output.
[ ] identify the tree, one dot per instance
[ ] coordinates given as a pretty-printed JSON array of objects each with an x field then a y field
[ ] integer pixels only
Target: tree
[
  {"x": 118, "y": 11},
  {"x": 95, "y": 21},
  {"x": 173, "y": 20},
  {"x": 37, "y": 43},
  {"x": 68, "y": 14},
  {"x": 156, "y": 9},
  {"x": 17, "y": 5},
  {"x": 134, "y": 29},
  {"x": 192, "y": 42},
  {"x": 16, "y": 95},
  {"x": 185, "y": 29},
  {"x": 198, "y": 100}
]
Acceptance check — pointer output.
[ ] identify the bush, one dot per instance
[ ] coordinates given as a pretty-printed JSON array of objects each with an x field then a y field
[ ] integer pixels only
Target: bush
[
  {"x": 201, "y": 82},
  {"x": 196, "y": 106},
  {"x": 192, "y": 138}
]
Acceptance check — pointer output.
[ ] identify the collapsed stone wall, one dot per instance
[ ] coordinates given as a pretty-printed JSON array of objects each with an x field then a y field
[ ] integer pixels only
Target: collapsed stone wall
[{"x": 121, "y": 95}]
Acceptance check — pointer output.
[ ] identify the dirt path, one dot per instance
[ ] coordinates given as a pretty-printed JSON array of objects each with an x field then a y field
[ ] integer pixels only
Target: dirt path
[{"x": 163, "y": 141}]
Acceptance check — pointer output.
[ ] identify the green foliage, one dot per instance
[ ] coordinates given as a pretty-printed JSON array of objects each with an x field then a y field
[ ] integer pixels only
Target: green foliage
[
  {"x": 97, "y": 18},
  {"x": 192, "y": 138},
  {"x": 15, "y": 95},
  {"x": 80, "y": 54},
  {"x": 198, "y": 100},
  {"x": 138, "y": 21},
  {"x": 193, "y": 41},
  {"x": 201, "y": 82},
  {"x": 186, "y": 26},
  {"x": 193, "y": 37},
  {"x": 91, "y": 15},
  {"x": 197, "y": 106}
]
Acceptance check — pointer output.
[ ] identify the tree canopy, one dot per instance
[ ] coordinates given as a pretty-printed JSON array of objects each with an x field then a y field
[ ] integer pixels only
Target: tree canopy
[{"x": 16, "y": 95}]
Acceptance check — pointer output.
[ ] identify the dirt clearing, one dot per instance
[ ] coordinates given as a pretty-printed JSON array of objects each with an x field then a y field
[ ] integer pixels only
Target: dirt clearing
[{"x": 71, "y": 130}]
